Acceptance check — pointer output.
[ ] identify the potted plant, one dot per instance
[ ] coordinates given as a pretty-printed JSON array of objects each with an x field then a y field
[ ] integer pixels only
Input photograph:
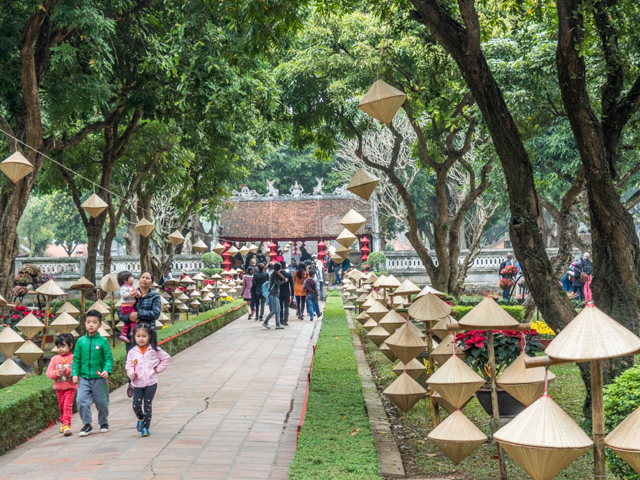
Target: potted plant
[
  {"x": 508, "y": 345},
  {"x": 545, "y": 331}
]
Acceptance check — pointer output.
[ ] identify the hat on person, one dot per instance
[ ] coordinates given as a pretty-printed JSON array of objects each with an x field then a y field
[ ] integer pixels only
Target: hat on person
[
  {"x": 185, "y": 271},
  {"x": 314, "y": 255}
]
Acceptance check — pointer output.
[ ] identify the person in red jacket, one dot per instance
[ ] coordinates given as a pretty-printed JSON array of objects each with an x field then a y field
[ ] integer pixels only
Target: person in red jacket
[{"x": 59, "y": 371}]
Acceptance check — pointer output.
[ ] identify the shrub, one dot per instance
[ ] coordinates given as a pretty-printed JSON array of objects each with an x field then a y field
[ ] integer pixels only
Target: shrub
[
  {"x": 377, "y": 260},
  {"x": 621, "y": 398},
  {"x": 212, "y": 260},
  {"x": 212, "y": 271},
  {"x": 516, "y": 311}
]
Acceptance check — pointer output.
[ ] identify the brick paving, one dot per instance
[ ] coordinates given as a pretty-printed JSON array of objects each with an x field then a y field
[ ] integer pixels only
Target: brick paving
[{"x": 226, "y": 408}]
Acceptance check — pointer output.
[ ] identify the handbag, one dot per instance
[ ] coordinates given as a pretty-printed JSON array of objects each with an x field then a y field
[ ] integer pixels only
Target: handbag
[
  {"x": 293, "y": 304},
  {"x": 584, "y": 277}
]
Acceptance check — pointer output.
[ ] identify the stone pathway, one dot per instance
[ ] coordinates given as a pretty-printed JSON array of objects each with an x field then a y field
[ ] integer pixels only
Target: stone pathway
[{"x": 228, "y": 407}]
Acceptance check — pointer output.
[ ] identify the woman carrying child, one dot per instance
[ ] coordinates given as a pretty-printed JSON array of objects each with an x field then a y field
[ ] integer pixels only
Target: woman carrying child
[
  {"x": 128, "y": 296},
  {"x": 143, "y": 365},
  {"x": 59, "y": 371}
]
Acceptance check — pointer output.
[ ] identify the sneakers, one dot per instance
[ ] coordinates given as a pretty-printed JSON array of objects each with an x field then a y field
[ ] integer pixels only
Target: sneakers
[
  {"x": 104, "y": 428},
  {"x": 86, "y": 430},
  {"x": 124, "y": 338},
  {"x": 279, "y": 327},
  {"x": 130, "y": 391},
  {"x": 145, "y": 432},
  {"x": 266, "y": 326},
  {"x": 62, "y": 428},
  {"x": 67, "y": 431},
  {"x": 139, "y": 426}
]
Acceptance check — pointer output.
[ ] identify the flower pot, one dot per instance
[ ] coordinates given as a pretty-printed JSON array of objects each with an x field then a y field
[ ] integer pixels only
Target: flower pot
[
  {"x": 545, "y": 342},
  {"x": 508, "y": 406}
]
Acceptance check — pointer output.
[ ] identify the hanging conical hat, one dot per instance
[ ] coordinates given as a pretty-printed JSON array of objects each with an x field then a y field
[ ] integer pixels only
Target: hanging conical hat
[
  {"x": 101, "y": 307},
  {"x": 363, "y": 184},
  {"x": 176, "y": 238},
  {"x": 361, "y": 299},
  {"x": 457, "y": 437},
  {"x": 524, "y": 384},
  {"x": 30, "y": 326},
  {"x": 455, "y": 381},
  {"x": 378, "y": 335},
  {"x": 379, "y": 281},
  {"x": 342, "y": 252},
  {"x": 109, "y": 283},
  {"x": 407, "y": 287},
  {"x": 352, "y": 221},
  {"x": 429, "y": 308},
  {"x": 390, "y": 282},
  {"x": 16, "y": 167},
  {"x": 218, "y": 248},
  {"x": 444, "y": 351},
  {"x": 195, "y": 303},
  {"x": 392, "y": 321},
  {"x": 195, "y": 293},
  {"x": 368, "y": 304},
  {"x": 382, "y": 101},
  {"x": 182, "y": 307},
  {"x": 233, "y": 272},
  {"x": 200, "y": 246},
  {"x": 346, "y": 238},
  {"x": 405, "y": 392},
  {"x": 94, "y": 205},
  {"x": 414, "y": 368},
  {"x": 625, "y": 440},
  {"x": 81, "y": 284},
  {"x": 103, "y": 332},
  {"x": 489, "y": 315},
  {"x": 159, "y": 325},
  {"x": 10, "y": 341},
  {"x": 543, "y": 439},
  {"x": 369, "y": 325},
  {"x": 243, "y": 251},
  {"x": 593, "y": 335},
  {"x": 406, "y": 344},
  {"x": 428, "y": 289},
  {"x": 182, "y": 296},
  {"x": 371, "y": 278},
  {"x": 105, "y": 326},
  {"x": 233, "y": 251},
  {"x": 387, "y": 352},
  {"x": 363, "y": 317},
  {"x": 64, "y": 323},
  {"x": 2, "y": 301},
  {"x": 29, "y": 352},
  {"x": 69, "y": 308},
  {"x": 377, "y": 311},
  {"x": 254, "y": 248},
  {"x": 440, "y": 328},
  {"x": 50, "y": 289},
  {"x": 144, "y": 227},
  {"x": 187, "y": 280},
  {"x": 10, "y": 372},
  {"x": 120, "y": 325}
]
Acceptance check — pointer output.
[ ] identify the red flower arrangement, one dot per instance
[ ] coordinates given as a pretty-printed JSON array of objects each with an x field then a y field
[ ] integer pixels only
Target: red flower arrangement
[
  {"x": 506, "y": 283},
  {"x": 509, "y": 271},
  {"x": 20, "y": 291},
  {"x": 19, "y": 312}
]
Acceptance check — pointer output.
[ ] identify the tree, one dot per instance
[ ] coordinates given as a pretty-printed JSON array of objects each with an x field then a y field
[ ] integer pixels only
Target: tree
[{"x": 33, "y": 229}]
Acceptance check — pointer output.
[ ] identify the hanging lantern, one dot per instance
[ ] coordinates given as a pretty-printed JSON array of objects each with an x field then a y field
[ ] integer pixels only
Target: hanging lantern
[
  {"x": 144, "y": 227},
  {"x": 176, "y": 238},
  {"x": 94, "y": 205},
  {"x": 200, "y": 246},
  {"x": 16, "y": 167},
  {"x": 382, "y": 101},
  {"x": 363, "y": 184}
]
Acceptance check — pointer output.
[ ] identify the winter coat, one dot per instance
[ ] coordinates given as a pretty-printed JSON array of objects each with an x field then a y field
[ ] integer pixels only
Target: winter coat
[
  {"x": 148, "y": 308},
  {"x": 298, "y": 288},
  {"x": 286, "y": 289},
  {"x": 146, "y": 366},
  {"x": 258, "y": 279},
  {"x": 64, "y": 381},
  {"x": 91, "y": 354},
  {"x": 274, "y": 284},
  {"x": 247, "y": 282},
  {"x": 319, "y": 271},
  {"x": 310, "y": 286}
]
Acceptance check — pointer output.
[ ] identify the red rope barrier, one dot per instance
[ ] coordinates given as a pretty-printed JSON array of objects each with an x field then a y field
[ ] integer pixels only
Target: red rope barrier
[{"x": 306, "y": 396}]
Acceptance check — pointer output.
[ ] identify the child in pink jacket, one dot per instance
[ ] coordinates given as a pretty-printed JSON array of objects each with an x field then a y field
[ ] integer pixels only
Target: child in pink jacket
[
  {"x": 59, "y": 371},
  {"x": 144, "y": 362}
]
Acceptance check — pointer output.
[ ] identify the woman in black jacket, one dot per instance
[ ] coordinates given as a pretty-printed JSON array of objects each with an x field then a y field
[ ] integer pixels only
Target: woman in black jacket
[
  {"x": 286, "y": 294},
  {"x": 256, "y": 291},
  {"x": 275, "y": 281}
]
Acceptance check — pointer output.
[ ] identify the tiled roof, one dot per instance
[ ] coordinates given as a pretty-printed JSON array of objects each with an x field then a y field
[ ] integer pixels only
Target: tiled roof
[{"x": 281, "y": 218}]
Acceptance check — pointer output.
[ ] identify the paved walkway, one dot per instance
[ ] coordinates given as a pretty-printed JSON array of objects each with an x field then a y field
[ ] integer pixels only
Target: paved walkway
[{"x": 228, "y": 407}]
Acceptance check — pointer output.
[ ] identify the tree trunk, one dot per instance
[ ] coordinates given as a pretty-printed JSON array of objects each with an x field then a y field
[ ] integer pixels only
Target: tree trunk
[
  {"x": 144, "y": 211},
  {"x": 94, "y": 232}
]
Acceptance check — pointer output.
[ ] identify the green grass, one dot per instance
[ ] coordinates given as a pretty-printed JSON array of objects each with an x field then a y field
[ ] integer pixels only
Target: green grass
[
  {"x": 567, "y": 390},
  {"x": 335, "y": 441}
]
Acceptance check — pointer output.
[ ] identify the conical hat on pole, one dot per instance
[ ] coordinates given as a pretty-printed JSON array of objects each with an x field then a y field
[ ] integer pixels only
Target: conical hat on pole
[
  {"x": 109, "y": 283},
  {"x": 593, "y": 335},
  {"x": 455, "y": 381},
  {"x": 382, "y": 101},
  {"x": 81, "y": 284},
  {"x": 10, "y": 372},
  {"x": 29, "y": 352},
  {"x": 414, "y": 368},
  {"x": 352, "y": 221},
  {"x": 144, "y": 227},
  {"x": 405, "y": 392},
  {"x": 429, "y": 308},
  {"x": 346, "y": 238},
  {"x": 363, "y": 184},
  {"x": 377, "y": 311},
  {"x": 176, "y": 238},
  {"x": 199, "y": 277},
  {"x": 94, "y": 205},
  {"x": 50, "y": 289},
  {"x": 406, "y": 344},
  {"x": 440, "y": 329},
  {"x": 407, "y": 287},
  {"x": 390, "y": 283},
  {"x": 10, "y": 341},
  {"x": 379, "y": 281},
  {"x": 64, "y": 323},
  {"x": 371, "y": 278},
  {"x": 70, "y": 308},
  {"x": 16, "y": 167},
  {"x": 524, "y": 384},
  {"x": 377, "y": 335},
  {"x": 489, "y": 315},
  {"x": 625, "y": 440},
  {"x": 392, "y": 321},
  {"x": 457, "y": 437},
  {"x": 30, "y": 326},
  {"x": 429, "y": 289}
]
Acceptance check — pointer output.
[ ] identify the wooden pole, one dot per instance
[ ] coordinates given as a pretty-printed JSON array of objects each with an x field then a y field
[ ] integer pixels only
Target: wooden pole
[
  {"x": 113, "y": 321},
  {"x": 83, "y": 297},
  {"x": 494, "y": 400},
  {"x": 47, "y": 300},
  {"x": 597, "y": 412}
]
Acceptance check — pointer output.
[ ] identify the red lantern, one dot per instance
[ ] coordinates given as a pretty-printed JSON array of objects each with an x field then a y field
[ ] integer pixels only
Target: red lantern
[
  {"x": 364, "y": 257},
  {"x": 226, "y": 255},
  {"x": 365, "y": 240},
  {"x": 365, "y": 250},
  {"x": 321, "y": 253}
]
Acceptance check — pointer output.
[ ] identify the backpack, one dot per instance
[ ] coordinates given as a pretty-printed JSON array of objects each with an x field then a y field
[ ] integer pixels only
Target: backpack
[
  {"x": 584, "y": 277},
  {"x": 265, "y": 289}
]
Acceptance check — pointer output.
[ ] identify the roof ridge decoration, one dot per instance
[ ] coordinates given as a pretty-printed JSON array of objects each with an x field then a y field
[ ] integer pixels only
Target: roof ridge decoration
[{"x": 296, "y": 191}]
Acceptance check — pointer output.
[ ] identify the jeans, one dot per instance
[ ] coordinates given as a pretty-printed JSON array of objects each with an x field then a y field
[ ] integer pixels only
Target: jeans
[
  {"x": 321, "y": 293},
  {"x": 312, "y": 305},
  {"x": 258, "y": 301},
  {"x": 505, "y": 294},
  {"x": 274, "y": 310},
  {"x": 142, "y": 399},
  {"x": 337, "y": 277},
  {"x": 93, "y": 390},
  {"x": 284, "y": 310}
]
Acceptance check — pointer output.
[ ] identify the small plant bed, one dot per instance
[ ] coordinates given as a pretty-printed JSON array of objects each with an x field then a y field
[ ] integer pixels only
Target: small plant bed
[
  {"x": 421, "y": 457},
  {"x": 335, "y": 441}
]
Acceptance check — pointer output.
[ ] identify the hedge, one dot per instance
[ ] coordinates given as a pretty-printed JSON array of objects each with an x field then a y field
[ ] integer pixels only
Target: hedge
[
  {"x": 335, "y": 441},
  {"x": 515, "y": 311},
  {"x": 29, "y": 406}
]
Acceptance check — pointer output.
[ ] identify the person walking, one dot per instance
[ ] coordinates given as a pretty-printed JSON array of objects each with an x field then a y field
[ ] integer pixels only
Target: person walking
[
  {"x": 587, "y": 267},
  {"x": 286, "y": 294},
  {"x": 319, "y": 278},
  {"x": 579, "y": 279},
  {"x": 59, "y": 371},
  {"x": 506, "y": 263},
  {"x": 259, "y": 279},
  {"x": 330, "y": 270},
  {"x": 312, "y": 295},
  {"x": 275, "y": 281},
  {"x": 299, "y": 276},
  {"x": 245, "y": 292}
]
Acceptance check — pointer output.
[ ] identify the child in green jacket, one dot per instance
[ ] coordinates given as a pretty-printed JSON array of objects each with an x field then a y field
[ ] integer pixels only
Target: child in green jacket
[{"x": 92, "y": 364}]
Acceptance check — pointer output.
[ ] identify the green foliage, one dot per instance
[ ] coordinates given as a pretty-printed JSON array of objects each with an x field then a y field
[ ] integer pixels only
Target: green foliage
[
  {"x": 621, "y": 398},
  {"x": 211, "y": 260},
  {"x": 377, "y": 260},
  {"x": 516, "y": 311},
  {"x": 212, "y": 271},
  {"x": 335, "y": 441}
]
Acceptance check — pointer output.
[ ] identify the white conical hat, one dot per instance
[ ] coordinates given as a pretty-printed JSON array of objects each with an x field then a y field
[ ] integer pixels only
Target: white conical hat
[
  {"x": 414, "y": 368},
  {"x": 94, "y": 205},
  {"x": 363, "y": 184},
  {"x": 407, "y": 287},
  {"x": 429, "y": 308},
  {"x": 489, "y": 315},
  {"x": 352, "y": 221},
  {"x": 50, "y": 289},
  {"x": 369, "y": 325},
  {"x": 64, "y": 323},
  {"x": 144, "y": 227},
  {"x": 109, "y": 283},
  {"x": 382, "y": 101},
  {"x": 625, "y": 440},
  {"x": 176, "y": 238},
  {"x": 10, "y": 341},
  {"x": 10, "y": 373},
  {"x": 455, "y": 381},
  {"x": 405, "y": 392},
  {"x": 457, "y": 437},
  {"x": 392, "y": 321},
  {"x": 30, "y": 326},
  {"x": 81, "y": 284},
  {"x": 429, "y": 289},
  {"x": 377, "y": 311},
  {"x": 390, "y": 282},
  {"x": 29, "y": 352},
  {"x": 387, "y": 352},
  {"x": 444, "y": 351},
  {"x": 16, "y": 167},
  {"x": 70, "y": 308},
  {"x": 524, "y": 384},
  {"x": 200, "y": 246},
  {"x": 378, "y": 335},
  {"x": 346, "y": 238},
  {"x": 406, "y": 344},
  {"x": 440, "y": 329}
]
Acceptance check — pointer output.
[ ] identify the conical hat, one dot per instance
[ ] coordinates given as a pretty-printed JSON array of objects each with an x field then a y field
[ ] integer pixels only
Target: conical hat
[
  {"x": 105, "y": 326},
  {"x": 363, "y": 317},
  {"x": 243, "y": 251},
  {"x": 187, "y": 280},
  {"x": 524, "y": 384},
  {"x": 407, "y": 287},
  {"x": 361, "y": 299},
  {"x": 428, "y": 289},
  {"x": 489, "y": 315},
  {"x": 200, "y": 246},
  {"x": 10, "y": 341},
  {"x": 377, "y": 311},
  {"x": 455, "y": 381},
  {"x": 101, "y": 307},
  {"x": 233, "y": 251},
  {"x": 69, "y": 308},
  {"x": 382, "y": 101},
  {"x": 2, "y": 301},
  {"x": 440, "y": 329},
  {"x": 10, "y": 372},
  {"x": 414, "y": 368},
  {"x": 182, "y": 307},
  {"x": 195, "y": 303},
  {"x": 30, "y": 326},
  {"x": 369, "y": 325},
  {"x": 94, "y": 205},
  {"x": 593, "y": 335},
  {"x": 16, "y": 167},
  {"x": 371, "y": 278},
  {"x": 390, "y": 282},
  {"x": 457, "y": 437},
  {"x": 159, "y": 325},
  {"x": 352, "y": 221},
  {"x": 429, "y": 308},
  {"x": 252, "y": 248},
  {"x": 405, "y": 392},
  {"x": 64, "y": 323},
  {"x": 342, "y": 252},
  {"x": 103, "y": 332},
  {"x": 176, "y": 238},
  {"x": 379, "y": 281},
  {"x": 219, "y": 248},
  {"x": 387, "y": 352},
  {"x": 626, "y": 436},
  {"x": 109, "y": 283},
  {"x": 144, "y": 227},
  {"x": 29, "y": 352},
  {"x": 406, "y": 344},
  {"x": 378, "y": 335},
  {"x": 444, "y": 351},
  {"x": 392, "y": 321},
  {"x": 346, "y": 238},
  {"x": 363, "y": 184},
  {"x": 50, "y": 289},
  {"x": 81, "y": 284},
  {"x": 199, "y": 277},
  {"x": 437, "y": 398}
]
